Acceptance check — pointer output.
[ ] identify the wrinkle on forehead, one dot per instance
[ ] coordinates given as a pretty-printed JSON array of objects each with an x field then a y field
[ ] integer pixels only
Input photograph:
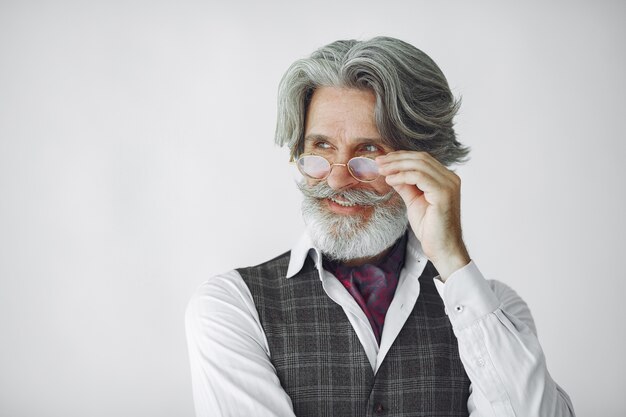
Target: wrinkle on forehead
[{"x": 342, "y": 114}]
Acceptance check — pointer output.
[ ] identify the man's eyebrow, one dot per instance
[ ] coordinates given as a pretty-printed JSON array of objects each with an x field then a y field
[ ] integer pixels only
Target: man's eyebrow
[{"x": 314, "y": 137}]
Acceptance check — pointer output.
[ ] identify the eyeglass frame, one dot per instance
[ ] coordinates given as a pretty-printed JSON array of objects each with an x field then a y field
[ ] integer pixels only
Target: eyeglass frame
[{"x": 332, "y": 164}]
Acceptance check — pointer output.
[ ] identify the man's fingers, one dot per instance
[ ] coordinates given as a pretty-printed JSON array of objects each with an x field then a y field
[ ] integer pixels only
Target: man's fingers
[
  {"x": 411, "y": 161},
  {"x": 435, "y": 192},
  {"x": 420, "y": 179},
  {"x": 418, "y": 165},
  {"x": 440, "y": 178}
]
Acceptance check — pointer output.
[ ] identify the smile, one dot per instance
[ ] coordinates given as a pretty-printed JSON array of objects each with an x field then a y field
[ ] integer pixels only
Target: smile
[{"x": 342, "y": 203}]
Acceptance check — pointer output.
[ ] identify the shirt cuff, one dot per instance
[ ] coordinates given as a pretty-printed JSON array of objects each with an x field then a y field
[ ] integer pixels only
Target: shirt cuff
[{"x": 467, "y": 296}]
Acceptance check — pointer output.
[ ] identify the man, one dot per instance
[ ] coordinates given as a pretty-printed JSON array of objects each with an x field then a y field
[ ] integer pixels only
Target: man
[{"x": 378, "y": 309}]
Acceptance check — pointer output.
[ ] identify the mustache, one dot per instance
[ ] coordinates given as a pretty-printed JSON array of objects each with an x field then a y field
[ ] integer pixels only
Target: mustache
[{"x": 361, "y": 197}]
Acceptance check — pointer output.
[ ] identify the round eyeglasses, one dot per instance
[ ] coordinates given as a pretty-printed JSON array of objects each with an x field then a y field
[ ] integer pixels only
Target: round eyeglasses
[{"x": 318, "y": 168}]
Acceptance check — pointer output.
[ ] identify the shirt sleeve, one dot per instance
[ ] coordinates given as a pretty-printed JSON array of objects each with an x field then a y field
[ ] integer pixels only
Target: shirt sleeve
[
  {"x": 231, "y": 372},
  {"x": 499, "y": 349}
]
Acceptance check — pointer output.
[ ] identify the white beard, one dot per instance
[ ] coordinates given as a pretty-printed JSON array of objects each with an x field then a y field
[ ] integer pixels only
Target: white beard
[{"x": 345, "y": 237}]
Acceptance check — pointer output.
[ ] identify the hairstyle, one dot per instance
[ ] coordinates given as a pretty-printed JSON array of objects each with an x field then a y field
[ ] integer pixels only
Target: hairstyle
[{"x": 414, "y": 105}]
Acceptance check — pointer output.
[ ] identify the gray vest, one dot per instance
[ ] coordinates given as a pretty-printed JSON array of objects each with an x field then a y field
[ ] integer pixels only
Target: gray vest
[{"x": 321, "y": 363}]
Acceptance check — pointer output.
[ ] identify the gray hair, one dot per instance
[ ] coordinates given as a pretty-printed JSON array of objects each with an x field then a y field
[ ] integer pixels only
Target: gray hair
[{"x": 414, "y": 105}]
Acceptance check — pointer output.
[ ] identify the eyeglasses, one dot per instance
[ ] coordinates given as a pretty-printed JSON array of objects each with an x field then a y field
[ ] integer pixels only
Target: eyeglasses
[{"x": 318, "y": 168}]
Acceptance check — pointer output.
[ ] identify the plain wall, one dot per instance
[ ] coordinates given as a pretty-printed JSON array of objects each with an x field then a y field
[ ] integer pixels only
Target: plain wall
[{"x": 137, "y": 160}]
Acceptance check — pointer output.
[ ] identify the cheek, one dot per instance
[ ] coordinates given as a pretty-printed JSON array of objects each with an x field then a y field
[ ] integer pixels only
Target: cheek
[
  {"x": 311, "y": 181},
  {"x": 381, "y": 186}
]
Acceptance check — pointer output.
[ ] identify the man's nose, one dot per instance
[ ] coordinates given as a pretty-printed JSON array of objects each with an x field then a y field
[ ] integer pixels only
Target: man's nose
[{"x": 340, "y": 178}]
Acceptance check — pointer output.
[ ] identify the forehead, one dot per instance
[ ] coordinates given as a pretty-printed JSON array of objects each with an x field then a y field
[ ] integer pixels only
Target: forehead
[{"x": 342, "y": 114}]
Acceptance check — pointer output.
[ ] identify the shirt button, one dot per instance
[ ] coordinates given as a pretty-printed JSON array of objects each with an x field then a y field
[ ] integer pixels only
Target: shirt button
[
  {"x": 480, "y": 361},
  {"x": 379, "y": 408},
  {"x": 458, "y": 308}
]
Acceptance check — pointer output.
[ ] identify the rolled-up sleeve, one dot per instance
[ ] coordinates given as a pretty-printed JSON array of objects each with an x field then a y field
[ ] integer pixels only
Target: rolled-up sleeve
[
  {"x": 499, "y": 349},
  {"x": 231, "y": 371}
]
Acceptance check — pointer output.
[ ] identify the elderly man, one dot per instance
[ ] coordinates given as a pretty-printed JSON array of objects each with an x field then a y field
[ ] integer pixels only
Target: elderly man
[{"x": 378, "y": 309}]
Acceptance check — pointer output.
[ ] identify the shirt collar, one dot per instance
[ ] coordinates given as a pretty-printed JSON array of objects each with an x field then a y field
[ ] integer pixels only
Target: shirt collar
[
  {"x": 299, "y": 252},
  {"x": 304, "y": 247}
]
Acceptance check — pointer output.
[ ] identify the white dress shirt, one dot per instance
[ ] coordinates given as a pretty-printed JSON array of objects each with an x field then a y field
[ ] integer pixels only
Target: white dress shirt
[{"x": 232, "y": 374}]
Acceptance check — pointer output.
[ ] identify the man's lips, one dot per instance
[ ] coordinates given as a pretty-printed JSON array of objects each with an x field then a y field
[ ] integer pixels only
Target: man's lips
[
  {"x": 342, "y": 202},
  {"x": 339, "y": 205}
]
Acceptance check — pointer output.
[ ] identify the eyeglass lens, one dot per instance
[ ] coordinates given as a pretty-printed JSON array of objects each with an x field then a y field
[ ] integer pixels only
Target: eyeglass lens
[
  {"x": 314, "y": 166},
  {"x": 318, "y": 167},
  {"x": 363, "y": 169}
]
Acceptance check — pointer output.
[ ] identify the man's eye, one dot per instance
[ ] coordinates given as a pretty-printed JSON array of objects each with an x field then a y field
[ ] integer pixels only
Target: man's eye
[
  {"x": 371, "y": 148},
  {"x": 322, "y": 145}
]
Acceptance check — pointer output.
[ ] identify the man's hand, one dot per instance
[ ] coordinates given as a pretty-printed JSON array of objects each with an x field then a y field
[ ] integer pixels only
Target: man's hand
[{"x": 432, "y": 194}]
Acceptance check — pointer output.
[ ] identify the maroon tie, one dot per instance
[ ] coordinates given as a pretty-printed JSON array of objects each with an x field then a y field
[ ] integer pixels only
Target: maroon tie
[{"x": 372, "y": 286}]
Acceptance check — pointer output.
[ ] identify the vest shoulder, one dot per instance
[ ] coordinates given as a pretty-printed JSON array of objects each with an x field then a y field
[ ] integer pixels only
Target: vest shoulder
[{"x": 277, "y": 266}]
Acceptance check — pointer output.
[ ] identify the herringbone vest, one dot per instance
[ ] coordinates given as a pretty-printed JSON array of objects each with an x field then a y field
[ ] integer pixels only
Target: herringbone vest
[{"x": 321, "y": 363}]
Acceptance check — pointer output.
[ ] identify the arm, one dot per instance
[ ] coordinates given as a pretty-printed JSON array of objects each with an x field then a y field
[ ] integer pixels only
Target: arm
[
  {"x": 494, "y": 328},
  {"x": 499, "y": 349},
  {"x": 231, "y": 371}
]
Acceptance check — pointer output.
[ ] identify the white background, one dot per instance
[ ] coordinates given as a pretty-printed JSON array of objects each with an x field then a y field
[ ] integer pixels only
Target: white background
[{"x": 136, "y": 160}]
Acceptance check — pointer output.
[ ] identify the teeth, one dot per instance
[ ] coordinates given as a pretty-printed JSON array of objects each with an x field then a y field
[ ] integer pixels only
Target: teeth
[{"x": 343, "y": 203}]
